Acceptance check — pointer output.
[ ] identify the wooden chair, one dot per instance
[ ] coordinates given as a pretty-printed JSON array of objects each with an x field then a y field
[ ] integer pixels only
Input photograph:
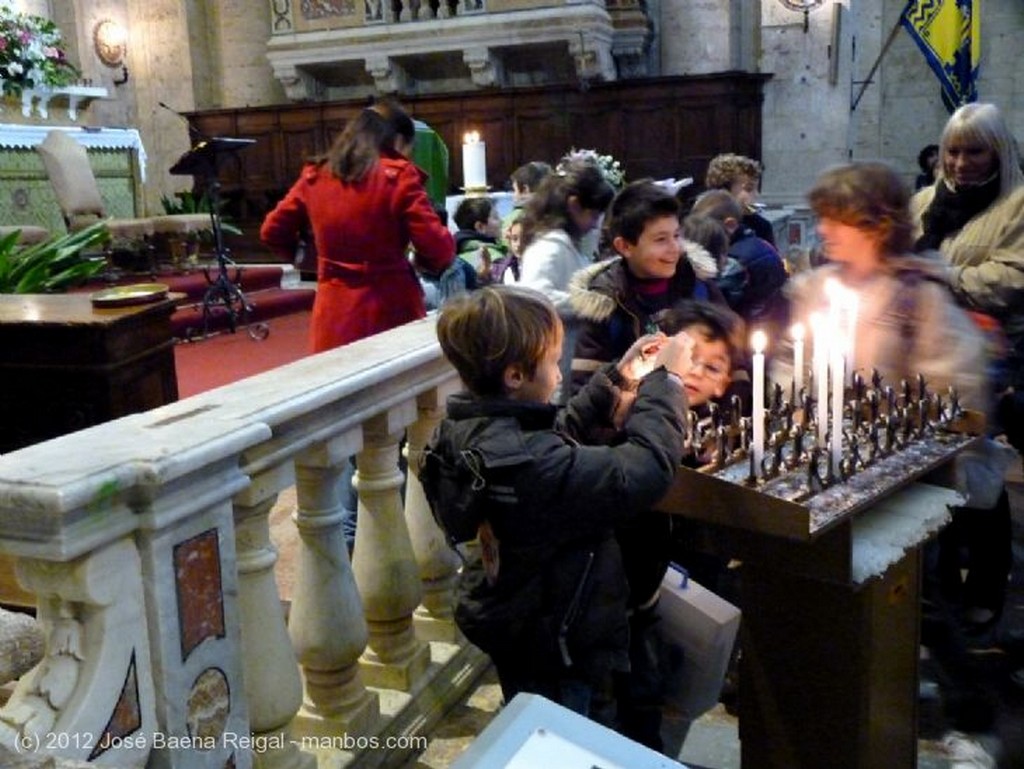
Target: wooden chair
[{"x": 78, "y": 195}]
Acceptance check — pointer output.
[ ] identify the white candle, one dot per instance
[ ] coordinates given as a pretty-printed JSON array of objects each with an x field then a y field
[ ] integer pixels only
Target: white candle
[
  {"x": 758, "y": 342},
  {"x": 819, "y": 330},
  {"x": 474, "y": 162},
  {"x": 850, "y": 333},
  {"x": 797, "y": 333},
  {"x": 838, "y": 375}
]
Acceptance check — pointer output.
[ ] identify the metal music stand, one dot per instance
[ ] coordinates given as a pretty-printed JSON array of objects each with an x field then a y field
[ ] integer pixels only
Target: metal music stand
[{"x": 202, "y": 161}]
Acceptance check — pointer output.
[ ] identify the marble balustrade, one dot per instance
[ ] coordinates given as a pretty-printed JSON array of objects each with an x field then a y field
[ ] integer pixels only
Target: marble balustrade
[{"x": 146, "y": 541}]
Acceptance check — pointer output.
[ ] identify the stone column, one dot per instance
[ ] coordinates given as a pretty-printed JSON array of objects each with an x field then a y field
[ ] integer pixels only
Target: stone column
[
  {"x": 326, "y": 622},
  {"x": 272, "y": 681},
  {"x": 384, "y": 563},
  {"x": 438, "y": 562}
]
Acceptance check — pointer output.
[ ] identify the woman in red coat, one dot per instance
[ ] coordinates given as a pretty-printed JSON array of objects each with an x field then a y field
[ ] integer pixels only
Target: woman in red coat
[{"x": 365, "y": 203}]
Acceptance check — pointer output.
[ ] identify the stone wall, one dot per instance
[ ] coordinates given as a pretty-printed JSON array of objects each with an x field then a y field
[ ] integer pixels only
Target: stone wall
[{"x": 197, "y": 54}]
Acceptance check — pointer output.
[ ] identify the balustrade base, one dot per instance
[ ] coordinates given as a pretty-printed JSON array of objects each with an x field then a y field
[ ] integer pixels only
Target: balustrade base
[
  {"x": 287, "y": 757},
  {"x": 395, "y": 674},
  {"x": 431, "y": 628},
  {"x": 359, "y": 717}
]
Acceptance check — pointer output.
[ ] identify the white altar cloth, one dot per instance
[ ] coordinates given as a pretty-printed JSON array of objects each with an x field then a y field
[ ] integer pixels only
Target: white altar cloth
[{"x": 19, "y": 136}]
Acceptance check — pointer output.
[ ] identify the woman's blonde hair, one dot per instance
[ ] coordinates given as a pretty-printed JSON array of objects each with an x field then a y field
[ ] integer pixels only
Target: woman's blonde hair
[{"x": 981, "y": 123}]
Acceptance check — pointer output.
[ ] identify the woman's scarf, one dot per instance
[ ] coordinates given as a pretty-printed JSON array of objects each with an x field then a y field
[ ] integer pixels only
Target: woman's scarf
[{"x": 952, "y": 209}]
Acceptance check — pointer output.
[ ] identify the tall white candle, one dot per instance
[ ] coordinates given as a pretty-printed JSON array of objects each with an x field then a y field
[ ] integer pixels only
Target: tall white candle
[
  {"x": 838, "y": 381},
  {"x": 474, "y": 161},
  {"x": 797, "y": 333},
  {"x": 758, "y": 342},
  {"x": 819, "y": 329},
  {"x": 850, "y": 333}
]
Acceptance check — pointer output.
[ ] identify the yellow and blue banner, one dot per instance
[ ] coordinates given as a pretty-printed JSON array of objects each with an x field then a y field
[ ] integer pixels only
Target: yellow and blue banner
[{"x": 948, "y": 32}]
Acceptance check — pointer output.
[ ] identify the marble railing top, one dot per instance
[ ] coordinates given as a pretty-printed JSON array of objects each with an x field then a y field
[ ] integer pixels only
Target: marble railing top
[{"x": 66, "y": 496}]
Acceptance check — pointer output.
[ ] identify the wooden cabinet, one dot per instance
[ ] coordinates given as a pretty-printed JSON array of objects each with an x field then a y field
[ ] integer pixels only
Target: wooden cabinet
[
  {"x": 66, "y": 365},
  {"x": 656, "y": 127}
]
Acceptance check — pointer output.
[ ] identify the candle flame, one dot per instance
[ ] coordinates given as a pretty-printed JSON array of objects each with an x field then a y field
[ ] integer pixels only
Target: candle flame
[
  {"x": 797, "y": 331},
  {"x": 471, "y": 137},
  {"x": 758, "y": 341}
]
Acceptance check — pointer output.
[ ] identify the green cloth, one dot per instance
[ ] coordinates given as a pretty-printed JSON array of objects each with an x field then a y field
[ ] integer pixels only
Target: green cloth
[{"x": 430, "y": 153}]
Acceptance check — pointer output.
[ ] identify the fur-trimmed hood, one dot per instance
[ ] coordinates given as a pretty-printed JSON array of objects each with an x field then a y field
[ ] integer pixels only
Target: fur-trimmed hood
[{"x": 595, "y": 291}]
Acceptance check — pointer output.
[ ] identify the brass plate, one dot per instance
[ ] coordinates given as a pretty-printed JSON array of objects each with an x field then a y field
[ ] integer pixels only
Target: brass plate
[{"x": 124, "y": 296}]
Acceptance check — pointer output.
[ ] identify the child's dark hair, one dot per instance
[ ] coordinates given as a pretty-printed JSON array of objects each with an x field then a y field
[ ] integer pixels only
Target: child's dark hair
[
  {"x": 709, "y": 233},
  {"x": 718, "y": 204},
  {"x": 530, "y": 175},
  {"x": 548, "y": 208},
  {"x": 637, "y": 204},
  {"x": 717, "y": 323},
  {"x": 484, "y": 332},
  {"x": 472, "y": 211}
]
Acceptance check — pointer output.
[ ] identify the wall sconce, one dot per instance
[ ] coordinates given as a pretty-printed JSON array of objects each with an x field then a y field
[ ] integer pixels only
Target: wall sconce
[
  {"x": 110, "y": 41},
  {"x": 803, "y": 5}
]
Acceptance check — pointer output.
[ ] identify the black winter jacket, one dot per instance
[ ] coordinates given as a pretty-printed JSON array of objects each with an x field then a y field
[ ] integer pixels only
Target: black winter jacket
[{"x": 558, "y": 600}]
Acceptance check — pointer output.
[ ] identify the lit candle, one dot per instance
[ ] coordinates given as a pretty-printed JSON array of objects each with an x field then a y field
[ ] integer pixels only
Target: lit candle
[
  {"x": 474, "y": 162},
  {"x": 838, "y": 393},
  {"x": 758, "y": 342},
  {"x": 797, "y": 333},
  {"x": 819, "y": 329}
]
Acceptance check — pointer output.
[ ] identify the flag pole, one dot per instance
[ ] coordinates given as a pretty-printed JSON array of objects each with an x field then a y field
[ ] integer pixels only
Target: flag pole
[{"x": 874, "y": 67}]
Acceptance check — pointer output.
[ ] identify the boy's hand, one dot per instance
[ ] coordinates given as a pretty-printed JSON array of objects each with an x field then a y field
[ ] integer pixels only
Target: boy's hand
[
  {"x": 638, "y": 361},
  {"x": 676, "y": 354}
]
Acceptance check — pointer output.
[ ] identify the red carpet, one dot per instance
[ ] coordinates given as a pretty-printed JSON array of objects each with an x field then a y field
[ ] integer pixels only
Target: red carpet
[{"x": 226, "y": 358}]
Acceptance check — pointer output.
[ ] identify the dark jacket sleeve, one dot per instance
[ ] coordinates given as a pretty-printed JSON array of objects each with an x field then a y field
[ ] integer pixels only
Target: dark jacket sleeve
[
  {"x": 595, "y": 486},
  {"x": 594, "y": 347}
]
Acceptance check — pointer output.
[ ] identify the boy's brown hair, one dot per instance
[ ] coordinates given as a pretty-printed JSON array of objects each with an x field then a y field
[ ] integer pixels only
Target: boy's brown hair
[
  {"x": 725, "y": 169},
  {"x": 484, "y": 332},
  {"x": 718, "y": 204}
]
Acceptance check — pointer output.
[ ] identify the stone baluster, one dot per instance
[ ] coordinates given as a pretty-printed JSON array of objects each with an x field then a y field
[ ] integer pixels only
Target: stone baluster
[
  {"x": 384, "y": 564},
  {"x": 272, "y": 680},
  {"x": 326, "y": 622},
  {"x": 438, "y": 562}
]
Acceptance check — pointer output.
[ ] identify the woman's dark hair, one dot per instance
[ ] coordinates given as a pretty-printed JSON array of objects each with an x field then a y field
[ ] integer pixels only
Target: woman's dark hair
[
  {"x": 869, "y": 196},
  {"x": 372, "y": 133},
  {"x": 548, "y": 208},
  {"x": 530, "y": 175}
]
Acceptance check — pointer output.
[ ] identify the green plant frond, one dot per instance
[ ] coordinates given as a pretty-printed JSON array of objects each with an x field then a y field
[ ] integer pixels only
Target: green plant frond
[{"x": 53, "y": 264}]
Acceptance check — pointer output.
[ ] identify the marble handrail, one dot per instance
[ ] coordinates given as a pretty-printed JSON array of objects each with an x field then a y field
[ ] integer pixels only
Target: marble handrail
[{"x": 146, "y": 541}]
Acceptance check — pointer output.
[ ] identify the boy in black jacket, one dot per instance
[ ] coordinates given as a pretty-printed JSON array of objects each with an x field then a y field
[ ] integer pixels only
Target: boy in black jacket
[{"x": 546, "y": 595}]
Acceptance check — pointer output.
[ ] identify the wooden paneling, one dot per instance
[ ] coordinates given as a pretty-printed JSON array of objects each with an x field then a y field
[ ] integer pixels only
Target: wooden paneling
[{"x": 655, "y": 127}]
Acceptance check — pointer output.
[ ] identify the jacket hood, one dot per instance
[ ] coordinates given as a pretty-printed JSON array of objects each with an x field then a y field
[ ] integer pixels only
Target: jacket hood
[{"x": 594, "y": 291}]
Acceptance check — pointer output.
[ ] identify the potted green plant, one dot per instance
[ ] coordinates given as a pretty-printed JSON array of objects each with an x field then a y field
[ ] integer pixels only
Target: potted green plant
[{"x": 53, "y": 265}]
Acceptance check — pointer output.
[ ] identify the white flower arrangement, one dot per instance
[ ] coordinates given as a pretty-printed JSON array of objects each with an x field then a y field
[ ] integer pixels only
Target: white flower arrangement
[{"x": 611, "y": 169}]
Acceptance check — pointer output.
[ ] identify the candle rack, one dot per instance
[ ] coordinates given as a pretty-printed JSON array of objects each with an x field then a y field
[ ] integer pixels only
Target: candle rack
[{"x": 889, "y": 438}]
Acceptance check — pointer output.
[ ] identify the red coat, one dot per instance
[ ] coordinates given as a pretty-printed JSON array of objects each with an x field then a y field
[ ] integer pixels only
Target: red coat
[{"x": 362, "y": 233}]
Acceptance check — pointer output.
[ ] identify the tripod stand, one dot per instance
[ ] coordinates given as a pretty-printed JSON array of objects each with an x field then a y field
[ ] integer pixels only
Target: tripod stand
[{"x": 201, "y": 161}]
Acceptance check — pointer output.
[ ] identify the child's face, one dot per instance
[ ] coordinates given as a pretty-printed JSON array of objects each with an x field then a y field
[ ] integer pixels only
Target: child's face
[
  {"x": 514, "y": 238},
  {"x": 744, "y": 189},
  {"x": 492, "y": 227},
  {"x": 540, "y": 387},
  {"x": 583, "y": 219},
  {"x": 711, "y": 371},
  {"x": 657, "y": 252},
  {"x": 519, "y": 193}
]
